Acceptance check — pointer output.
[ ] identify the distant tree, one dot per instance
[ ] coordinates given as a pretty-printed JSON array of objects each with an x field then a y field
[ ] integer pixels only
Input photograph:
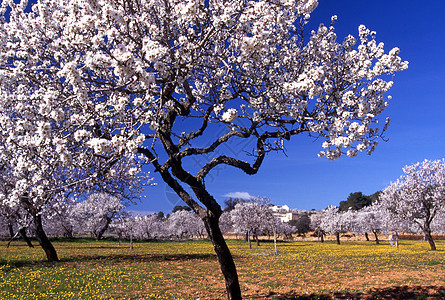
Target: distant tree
[
  {"x": 369, "y": 219},
  {"x": 183, "y": 224},
  {"x": 149, "y": 226},
  {"x": 316, "y": 220},
  {"x": 375, "y": 197},
  {"x": 355, "y": 201},
  {"x": 335, "y": 222},
  {"x": 127, "y": 226},
  {"x": 225, "y": 222},
  {"x": 96, "y": 213},
  {"x": 302, "y": 224},
  {"x": 252, "y": 218},
  {"x": 181, "y": 207},
  {"x": 438, "y": 224},
  {"x": 232, "y": 202},
  {"x": 418, "y": 196},
  {"x": 161, "y": 215},
  {"x": 283, "y": 228}
]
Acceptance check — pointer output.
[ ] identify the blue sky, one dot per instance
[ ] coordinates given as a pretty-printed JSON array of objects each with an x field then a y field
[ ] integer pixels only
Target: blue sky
[{"x": 417, "y": 131}]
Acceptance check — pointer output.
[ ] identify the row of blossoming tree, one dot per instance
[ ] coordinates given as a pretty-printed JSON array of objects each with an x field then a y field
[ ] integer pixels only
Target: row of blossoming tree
[
  {"x": 85, "y": 85},
  {"x": 413, "y": 203}
]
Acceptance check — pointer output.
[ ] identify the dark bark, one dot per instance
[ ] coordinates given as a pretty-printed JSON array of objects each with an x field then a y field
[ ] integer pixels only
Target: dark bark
[
  {"x": 322, "y": 237},
  {"x": 430, "y": 240},
  {"x": 257, "y": 240},
  {"x": 101, "y": 232},
  {"x": 224, "y": 256},
  {"x": 376, "y": 237},
  {"x": 10, "y": 240},
  {"x": 367, "y": 236},
  {"x": 22, "y": 233},
  {"x": 11, "y": 230},
  {"x": 44, "y": 241},
  {"x": 337, "y": 237}
]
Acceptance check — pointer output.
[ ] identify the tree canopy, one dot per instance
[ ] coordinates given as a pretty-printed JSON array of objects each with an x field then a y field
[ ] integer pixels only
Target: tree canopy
[
  {"x": 357, "y": 201},
  {"x": 93, "y": 89}
]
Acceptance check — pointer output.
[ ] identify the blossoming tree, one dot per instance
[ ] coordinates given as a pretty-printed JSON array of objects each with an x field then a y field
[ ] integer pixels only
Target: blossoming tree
[
  {"x": 252, "y": 218},
  {"x": 335, "y": 222},
  {"x": 418, "y": 196},
  {"x": 95, "y": 214},
  {"x": 175, "y": 80}
]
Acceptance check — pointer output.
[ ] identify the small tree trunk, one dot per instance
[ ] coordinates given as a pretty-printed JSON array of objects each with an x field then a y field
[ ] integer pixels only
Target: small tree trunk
[
  {"x": 257, "y": 240},
  {"x": 10, "y": 240},
  {"x": 248, "y": 239},
  {"x": 275, "y": 241},
  {"x": 22, "y": 233},
  {"x": 322, "y": 237},
  {"x": 131, "y": 241},
  {"x": 337, "y": 236},
  {"x": 224, "y": 256},
  {"x": 366, "y": 236},
  {"x": 11, "y": 230},
  {"x": 44, "y": 242},
  {"x": 397, "y": 240},
  {"x": 430, "y": 240},
  {"x": 376, "y": 237},
  {"x": 101, "y": 232}
]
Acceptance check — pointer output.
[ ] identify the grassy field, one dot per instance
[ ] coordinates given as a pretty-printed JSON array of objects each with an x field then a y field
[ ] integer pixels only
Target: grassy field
[{"x": 189, "y": 270}]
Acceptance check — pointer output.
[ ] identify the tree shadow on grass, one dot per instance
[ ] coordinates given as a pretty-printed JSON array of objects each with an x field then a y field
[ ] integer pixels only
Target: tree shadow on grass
[
  {"x": 141, "y": 257},
  {"x": 393, "y": 292},
  {"x": 112, "y": 258}
]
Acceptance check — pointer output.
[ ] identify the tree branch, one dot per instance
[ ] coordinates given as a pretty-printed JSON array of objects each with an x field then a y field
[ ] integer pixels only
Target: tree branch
[{"x": 173, "y": 183}]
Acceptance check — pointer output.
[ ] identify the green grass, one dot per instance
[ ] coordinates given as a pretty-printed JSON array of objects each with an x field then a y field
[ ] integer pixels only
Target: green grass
[{"x": 188, "y": 270}]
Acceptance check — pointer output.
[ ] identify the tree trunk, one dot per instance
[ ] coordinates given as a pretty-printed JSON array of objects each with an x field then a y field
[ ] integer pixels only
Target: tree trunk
[
  {"x": 257, "y": 240},
  {"x": 131, "y": 241},
  {"x": 322, "y": 237},
  {"x": 11, "y": 230},
  {"x": 430, "y": 240},
  {"x": 10, "y": 240},
  {"x": 101, "y": 232},
  {"x": 275, "y": 241},
  {"x": 376, "y": 237},
  {"x": 44, "y": 242},
  {"x": 337, "y": 236},
  {"x": 224, "y": 256},
  {"x": 248, "y": 240},
  {"x": 366, "y": 236},
  {"x": 22, "y": 233}
]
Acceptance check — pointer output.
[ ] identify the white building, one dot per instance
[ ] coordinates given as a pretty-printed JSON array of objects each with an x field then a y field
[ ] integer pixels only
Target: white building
[{"x": 284, "y": 213}]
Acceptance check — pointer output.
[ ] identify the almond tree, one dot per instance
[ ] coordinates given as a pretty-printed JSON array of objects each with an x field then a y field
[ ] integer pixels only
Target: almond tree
[
  {"x": 177, "y": 80},
  {"x": 252, "y": 218},
  {"x": 316, "y": 221},
  {"x": 150, "y": 226},
  {"x": 95, "y": 214},
  {"x": 183, "y": 223},
  {"x": 418, "y": 196},
  {"x": 335, "y": 222},
  {"x": 369, "y": 219}
]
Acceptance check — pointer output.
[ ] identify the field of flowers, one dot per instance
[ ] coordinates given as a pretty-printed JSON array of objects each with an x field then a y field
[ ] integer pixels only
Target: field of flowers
[{"x": 189, "y": 270}]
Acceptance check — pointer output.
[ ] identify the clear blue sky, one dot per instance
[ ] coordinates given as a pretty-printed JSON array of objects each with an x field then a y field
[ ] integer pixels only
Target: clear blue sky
[{"x": 417, "y": 131}]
